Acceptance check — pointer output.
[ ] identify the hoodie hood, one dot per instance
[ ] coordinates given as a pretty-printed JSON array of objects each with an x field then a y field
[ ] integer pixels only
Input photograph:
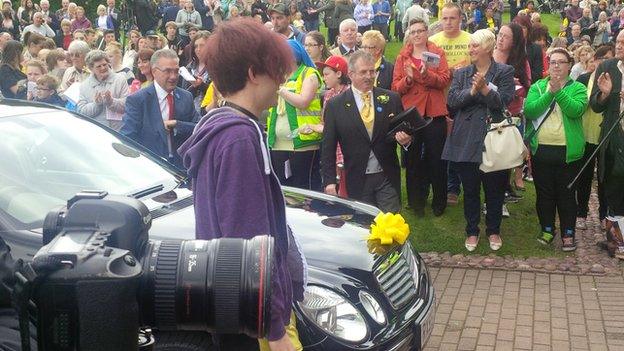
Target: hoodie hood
[{"x": 193, "y": 149}]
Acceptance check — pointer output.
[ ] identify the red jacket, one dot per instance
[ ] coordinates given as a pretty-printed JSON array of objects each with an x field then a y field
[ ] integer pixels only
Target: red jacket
[{"x": 426, "y": 92}]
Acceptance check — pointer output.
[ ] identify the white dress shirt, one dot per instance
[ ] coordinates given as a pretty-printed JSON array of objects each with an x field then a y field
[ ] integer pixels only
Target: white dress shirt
[{"x": 162, "y": 101}]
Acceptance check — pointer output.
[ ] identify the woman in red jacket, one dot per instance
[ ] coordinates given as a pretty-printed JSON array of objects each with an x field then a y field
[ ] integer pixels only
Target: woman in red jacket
[{"x": 420, "y": 77}]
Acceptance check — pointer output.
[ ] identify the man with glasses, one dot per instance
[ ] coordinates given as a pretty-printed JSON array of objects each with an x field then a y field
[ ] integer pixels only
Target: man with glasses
[
  {"x": 374, "y": 43},
  {"x": 161, "y": 116},
  {"x": 359, "y": 119},
  {"x": 608, "y": 100}
]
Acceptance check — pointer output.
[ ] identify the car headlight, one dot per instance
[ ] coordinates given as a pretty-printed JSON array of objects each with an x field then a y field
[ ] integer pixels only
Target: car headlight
[
  {"x": 372, "y": 307},
  {"x": 334, "y": 314}
]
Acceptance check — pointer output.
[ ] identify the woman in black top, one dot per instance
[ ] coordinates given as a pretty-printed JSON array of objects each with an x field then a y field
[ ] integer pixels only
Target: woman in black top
[{"x": 12, "y": 83}]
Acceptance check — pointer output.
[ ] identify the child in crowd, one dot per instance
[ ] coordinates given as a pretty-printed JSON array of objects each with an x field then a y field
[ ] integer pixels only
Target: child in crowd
[
  {"x": 34, "y": 70},
  {"x": 46, "y": 91},
  {"x": 298, "y": 21}
]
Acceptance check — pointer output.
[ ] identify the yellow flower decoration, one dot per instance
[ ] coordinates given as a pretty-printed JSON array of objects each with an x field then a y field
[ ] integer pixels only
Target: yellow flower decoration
[
  {"x": 383, "y": 99},
  {"x": 389, "y": 228}
]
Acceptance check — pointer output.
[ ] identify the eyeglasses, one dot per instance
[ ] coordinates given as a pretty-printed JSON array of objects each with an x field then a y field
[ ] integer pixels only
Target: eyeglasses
[
  {"x": 43, "y": 89},
  {"x": 558, "y": 63},
  {"x": 311, "y": 45},
  {"x": 368, "y": 47},
  {"x": 168, "y": 71},
  {"x": 418, "y": 31}
]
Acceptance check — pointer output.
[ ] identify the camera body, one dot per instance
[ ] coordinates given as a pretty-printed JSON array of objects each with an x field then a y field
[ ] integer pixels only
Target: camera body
[
  {"x": 90, "y": 301},
  {"x": 99, "y": 278}
]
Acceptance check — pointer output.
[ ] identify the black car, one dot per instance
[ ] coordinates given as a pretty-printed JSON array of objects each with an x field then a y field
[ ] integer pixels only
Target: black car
[{"x": 370, "y": 301}]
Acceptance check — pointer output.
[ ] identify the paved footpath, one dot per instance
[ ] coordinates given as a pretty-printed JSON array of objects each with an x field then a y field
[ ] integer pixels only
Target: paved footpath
[{"x": 507, "y": 310}]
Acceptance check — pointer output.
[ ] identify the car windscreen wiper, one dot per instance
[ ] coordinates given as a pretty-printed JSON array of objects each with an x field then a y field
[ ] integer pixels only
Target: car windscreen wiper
[{"x": 148, "y": 191}]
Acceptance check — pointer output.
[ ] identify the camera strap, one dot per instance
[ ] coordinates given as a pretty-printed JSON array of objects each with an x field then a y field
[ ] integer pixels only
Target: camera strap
[
  {"x": 28, "y": 275},
  {"x": 25, "y": 276}
]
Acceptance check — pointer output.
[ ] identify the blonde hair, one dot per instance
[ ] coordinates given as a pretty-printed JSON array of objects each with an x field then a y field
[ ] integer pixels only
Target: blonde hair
[
  {"x": 583, "y": 54},
  {"x": 100, "y": 8},
  {"x": 376, "y": 37},
  {"x": 36, "y": 63},
  {"x": 485, "y": 38},
  {"x": 114, "y": 44}
]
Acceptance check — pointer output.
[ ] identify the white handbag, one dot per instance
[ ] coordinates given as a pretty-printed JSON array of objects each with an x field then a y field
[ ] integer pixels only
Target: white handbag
[{"x": 503, "y": 147}]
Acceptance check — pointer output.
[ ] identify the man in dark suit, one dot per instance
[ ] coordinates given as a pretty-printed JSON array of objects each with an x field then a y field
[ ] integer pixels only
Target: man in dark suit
[
  {"x": 358, "y": 119},
  {"x": 608, "y": 99},
  {"x": 161, "y": 116}
]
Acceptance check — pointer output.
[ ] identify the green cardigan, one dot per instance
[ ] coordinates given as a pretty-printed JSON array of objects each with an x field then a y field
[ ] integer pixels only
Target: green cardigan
[{"x": 572, "y": 100}]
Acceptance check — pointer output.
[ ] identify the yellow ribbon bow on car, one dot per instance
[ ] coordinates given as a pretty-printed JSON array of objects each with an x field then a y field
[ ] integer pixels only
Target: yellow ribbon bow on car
[{"x": 389, "y": 228}]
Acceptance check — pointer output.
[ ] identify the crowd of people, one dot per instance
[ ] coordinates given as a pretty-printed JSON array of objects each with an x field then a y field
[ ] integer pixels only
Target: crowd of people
[{"x": 147, "y": 77}]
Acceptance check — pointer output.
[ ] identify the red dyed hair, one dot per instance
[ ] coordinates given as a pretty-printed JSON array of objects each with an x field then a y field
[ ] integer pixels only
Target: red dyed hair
[{"x": 237, "y": 46}]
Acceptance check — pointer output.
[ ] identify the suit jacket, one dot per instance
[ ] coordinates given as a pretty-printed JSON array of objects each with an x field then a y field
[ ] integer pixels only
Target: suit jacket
[
  {"x": 384, "y": 78},
  {"x": 471, "y": 113},
  {"x": 344, "y": 125},
  {"x": 144, "y": 124},
  {"x": 339, "y": 50},
  {"x": 610, "y": 108}
]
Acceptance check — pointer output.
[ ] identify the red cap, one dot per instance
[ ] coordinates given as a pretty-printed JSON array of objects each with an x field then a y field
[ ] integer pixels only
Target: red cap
[{"x": 337, "y": 63}]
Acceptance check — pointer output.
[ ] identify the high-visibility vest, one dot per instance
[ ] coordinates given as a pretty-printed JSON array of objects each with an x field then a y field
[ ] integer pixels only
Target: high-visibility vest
[{"x": 297, "y": 117}]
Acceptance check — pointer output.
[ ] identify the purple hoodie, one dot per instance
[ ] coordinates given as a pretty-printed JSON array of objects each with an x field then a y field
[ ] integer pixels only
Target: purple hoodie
[{"x": 238, "y": 195}]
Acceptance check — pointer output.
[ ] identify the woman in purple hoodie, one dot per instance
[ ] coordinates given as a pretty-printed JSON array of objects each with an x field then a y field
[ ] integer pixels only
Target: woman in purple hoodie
[{"x": 237, "y": 193}]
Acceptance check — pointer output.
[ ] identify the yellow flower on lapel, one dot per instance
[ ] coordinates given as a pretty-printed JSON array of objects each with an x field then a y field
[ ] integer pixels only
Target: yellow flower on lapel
[
  {"x": 347, "y": 105},
  {"x": 383, "y": 99}
]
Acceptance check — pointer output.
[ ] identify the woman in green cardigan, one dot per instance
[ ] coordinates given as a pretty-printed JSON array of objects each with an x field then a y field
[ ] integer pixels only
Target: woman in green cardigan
[{"x": 554, "y": 107}]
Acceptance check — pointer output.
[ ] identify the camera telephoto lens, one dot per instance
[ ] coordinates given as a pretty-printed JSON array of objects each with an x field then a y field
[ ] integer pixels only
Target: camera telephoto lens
[{"x": 208, "y": 285}]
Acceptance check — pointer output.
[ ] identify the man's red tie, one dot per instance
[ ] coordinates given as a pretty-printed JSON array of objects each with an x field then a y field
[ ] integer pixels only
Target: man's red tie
[{"x": 170, "y": 103}]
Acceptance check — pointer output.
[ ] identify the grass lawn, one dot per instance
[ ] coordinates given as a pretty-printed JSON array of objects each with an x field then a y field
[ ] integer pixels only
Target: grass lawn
[{"x": 447, "y": 233}]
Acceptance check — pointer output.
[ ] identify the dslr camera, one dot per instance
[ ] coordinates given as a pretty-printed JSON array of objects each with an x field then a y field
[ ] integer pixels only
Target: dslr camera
[{"x": 99, "y": 280}]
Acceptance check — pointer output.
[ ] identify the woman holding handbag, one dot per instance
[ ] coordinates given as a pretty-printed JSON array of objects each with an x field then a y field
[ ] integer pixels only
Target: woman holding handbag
[
  {"x": 553, "y": 108},
  {"x": 479, "y": 94}
]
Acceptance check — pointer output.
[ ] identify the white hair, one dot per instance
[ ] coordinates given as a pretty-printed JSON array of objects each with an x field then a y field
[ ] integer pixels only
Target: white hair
[{"x": 349, "y": 22}]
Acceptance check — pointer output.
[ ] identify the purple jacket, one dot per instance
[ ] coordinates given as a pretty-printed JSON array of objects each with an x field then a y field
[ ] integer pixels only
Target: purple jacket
[{"x": 238, "y": 195}]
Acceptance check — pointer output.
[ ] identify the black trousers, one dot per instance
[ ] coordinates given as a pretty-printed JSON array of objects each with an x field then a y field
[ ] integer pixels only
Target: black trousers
[
  {"x": 424, "y": 165},
  {"x": 382, "y": 28},
  {"x": 362, "y": 29},
  {"x": 614, "y": 190},
  {"x": 304, "y": 167},
  {"x": 331, "y": 36},
  {"x": 583, "y": 189},
  {"x": 398, "y": 29},
  {"x": 551, "y": 176},
  {"x": 494, "y": 188}
]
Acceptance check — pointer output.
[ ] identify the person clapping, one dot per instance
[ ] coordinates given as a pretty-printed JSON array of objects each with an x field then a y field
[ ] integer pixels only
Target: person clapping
[{"x": 103, "y": 94}]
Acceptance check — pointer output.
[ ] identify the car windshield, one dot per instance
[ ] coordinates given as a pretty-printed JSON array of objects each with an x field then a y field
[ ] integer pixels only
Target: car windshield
[{"x": 49, "y": 157}]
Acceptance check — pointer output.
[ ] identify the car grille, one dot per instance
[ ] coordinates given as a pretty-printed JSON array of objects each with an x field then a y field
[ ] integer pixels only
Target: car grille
[
  {"x": 395, "y": 275},
  {"x": 404, "y": 345}
]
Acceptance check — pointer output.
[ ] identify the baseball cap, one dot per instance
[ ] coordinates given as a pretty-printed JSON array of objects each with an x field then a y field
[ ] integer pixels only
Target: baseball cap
[
  {"x": 279, "y": 8},
  {"x": 337, "y": 63}
]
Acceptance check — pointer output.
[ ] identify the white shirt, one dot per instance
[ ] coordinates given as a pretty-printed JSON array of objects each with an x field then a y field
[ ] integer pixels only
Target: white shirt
[{"x": 162, "y": 101}]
